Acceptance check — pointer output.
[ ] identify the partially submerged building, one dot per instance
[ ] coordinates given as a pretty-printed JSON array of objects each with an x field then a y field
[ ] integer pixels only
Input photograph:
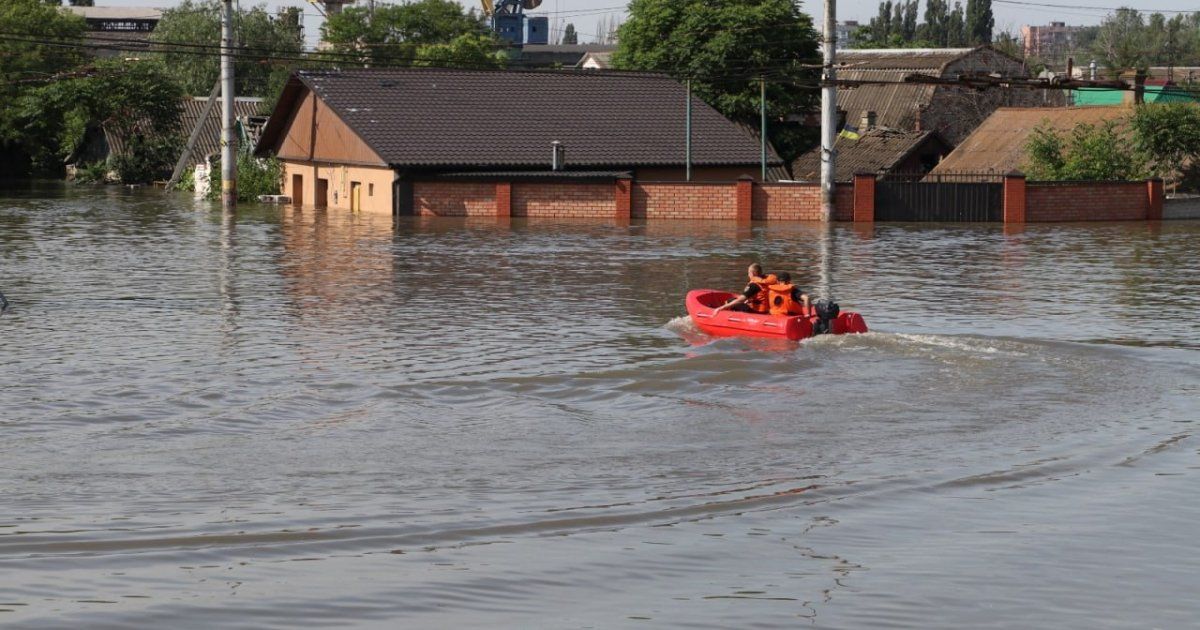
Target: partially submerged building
[
  {"x": 950, "y": 110},
  {"x": 998, "y": 145},
  {"x": 878, "y": 151},
  {"x": 381, "y": 140}
]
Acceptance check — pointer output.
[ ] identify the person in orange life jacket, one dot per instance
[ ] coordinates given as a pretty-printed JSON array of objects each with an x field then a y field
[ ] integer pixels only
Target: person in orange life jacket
[
  {"x": 754, "y": 297},
  {"x": 785, "y": 298}
]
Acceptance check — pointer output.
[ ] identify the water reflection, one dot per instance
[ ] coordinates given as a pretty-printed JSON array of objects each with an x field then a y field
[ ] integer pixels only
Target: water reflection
[{"x": 504, "y": 421}]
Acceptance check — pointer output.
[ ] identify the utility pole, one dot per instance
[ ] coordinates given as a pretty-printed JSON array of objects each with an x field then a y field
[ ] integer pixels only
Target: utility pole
[
  {"x": 687, "y": 146},
  {"x": 828, "y": 111},
  {"x": 762, "y": 121},
  {"x": 228, "y": 152}
]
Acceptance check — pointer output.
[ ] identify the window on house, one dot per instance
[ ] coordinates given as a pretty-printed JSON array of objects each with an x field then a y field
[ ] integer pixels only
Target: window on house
[{"x": 370, "y": 190}]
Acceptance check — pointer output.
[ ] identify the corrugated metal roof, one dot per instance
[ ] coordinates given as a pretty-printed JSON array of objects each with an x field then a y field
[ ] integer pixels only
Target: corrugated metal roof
[
  {"x": 999, "y": 143},
  {"x": 209, "y": 141},
  {"x": 900, "y": 58},
  {"x": 117, "y": 13},
  {"x": 437, "y": 118},
  {"x": 878, "y": 150},
  {"x": 895, "y": 106}
]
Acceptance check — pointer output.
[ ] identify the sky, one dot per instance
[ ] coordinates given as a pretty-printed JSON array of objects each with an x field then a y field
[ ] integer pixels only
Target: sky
[{"x": 587, "y": 14}]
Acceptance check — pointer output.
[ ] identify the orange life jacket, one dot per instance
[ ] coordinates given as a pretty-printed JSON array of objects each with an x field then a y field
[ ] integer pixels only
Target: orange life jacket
[
  {"x": 780, "y": 301},
  {"x": 758, "y": 303}
]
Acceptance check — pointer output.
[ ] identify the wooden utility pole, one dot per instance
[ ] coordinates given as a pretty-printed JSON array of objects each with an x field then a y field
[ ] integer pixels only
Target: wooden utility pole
[
  {"x": 762, "y": 123},
  {"x": 828, "y": 111},
  {"x": 228, "y": 150},
  {"x": 687, "y": 130}
]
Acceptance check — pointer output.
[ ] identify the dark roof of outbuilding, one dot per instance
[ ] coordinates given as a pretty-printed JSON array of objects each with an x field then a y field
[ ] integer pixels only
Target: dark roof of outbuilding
[
  {"x": 437, "y": 118},
  {"x": 877, "y": 151}
]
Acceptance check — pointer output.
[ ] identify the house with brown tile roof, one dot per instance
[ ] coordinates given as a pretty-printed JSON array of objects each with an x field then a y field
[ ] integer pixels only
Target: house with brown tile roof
[
  {"x": 359, "y": 139},
  {"x": 950, "y": 110},
  {"x": 998, "y": 145}
]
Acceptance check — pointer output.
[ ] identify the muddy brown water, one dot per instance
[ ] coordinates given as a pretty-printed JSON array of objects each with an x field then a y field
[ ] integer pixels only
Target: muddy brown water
[{"x": 291, "y": 419}]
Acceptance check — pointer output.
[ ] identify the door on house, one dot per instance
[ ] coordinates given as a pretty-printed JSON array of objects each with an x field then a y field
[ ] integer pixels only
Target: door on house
[
  {"x": 297, "y": 190},
  {"x": 322, "y": 194},
  {"x": 355, "y": 196}
]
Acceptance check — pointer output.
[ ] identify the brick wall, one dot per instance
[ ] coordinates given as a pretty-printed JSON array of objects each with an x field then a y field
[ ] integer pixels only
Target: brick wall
[
  {"x": 843, "y": 202},
  {"x": 680, "y": 200},
  {"x": 787, "y": 202},
  {"x": 564, "y": 200},
  {"x": 454, "y": 199},
  {"x": 1087, "y": 201}
]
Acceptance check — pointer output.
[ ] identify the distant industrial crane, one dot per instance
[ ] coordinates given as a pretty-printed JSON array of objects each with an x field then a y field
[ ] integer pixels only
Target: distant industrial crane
[{"x": 512, "y": 25}]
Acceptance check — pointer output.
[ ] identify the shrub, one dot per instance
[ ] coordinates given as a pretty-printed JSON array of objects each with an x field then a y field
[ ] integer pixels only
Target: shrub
[{"x": 255, "y": 177}]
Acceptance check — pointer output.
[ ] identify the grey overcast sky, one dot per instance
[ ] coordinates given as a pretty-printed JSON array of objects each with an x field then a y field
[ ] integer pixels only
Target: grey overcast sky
[{"x": 588, "y": 14}]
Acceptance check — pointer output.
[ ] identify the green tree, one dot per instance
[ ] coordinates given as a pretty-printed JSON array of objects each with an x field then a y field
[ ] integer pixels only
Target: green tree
[
  {"x": 956, "y": 27},
  {"x": 1123, "y": 43},
  {"x": 397, "y": 31},
  {"x": 980, "y": 22},
  {"x": 937, "y": 14},
  {"x": 135, "y": 100},
  {"x": 729, "y": 46},
  {"x": 909, "y": 32},
  {"x": 24, "y": 64},
  {"x": 260, "y": 36},
  {"x": 569, "y": 35},
  {"x": 1088, "y": 152},
  {"x": 470, "y": 49},
  {"x": 1169, "y": 134}
]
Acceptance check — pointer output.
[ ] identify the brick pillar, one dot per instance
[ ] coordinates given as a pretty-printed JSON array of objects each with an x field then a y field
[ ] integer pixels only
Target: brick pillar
[
  {"x": 745, "y": 198},
  {"x": 623, "y": 195},
  {"x": 1154, "y": 190},
  {"x": 1014, "y": 198},
  {"x": 504, "y": 199},
  {"x": 864, "y": 197}
]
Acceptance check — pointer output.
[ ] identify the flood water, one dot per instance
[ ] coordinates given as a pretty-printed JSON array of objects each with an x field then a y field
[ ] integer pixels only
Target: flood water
[{"x": 291, "y": 419}]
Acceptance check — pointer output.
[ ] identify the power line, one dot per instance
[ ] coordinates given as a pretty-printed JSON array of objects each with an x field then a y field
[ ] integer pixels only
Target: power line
[{"x": 1094, "y": 8}]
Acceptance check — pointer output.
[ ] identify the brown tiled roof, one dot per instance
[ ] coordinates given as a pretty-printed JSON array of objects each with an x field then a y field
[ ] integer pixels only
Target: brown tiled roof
[
  {"x": 878, "y": 150},
  {"x": 999, "y": 143},
  {"x": 438, "y": 118}
]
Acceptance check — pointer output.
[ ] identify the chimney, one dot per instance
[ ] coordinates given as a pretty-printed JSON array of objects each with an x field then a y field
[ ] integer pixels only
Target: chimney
[{"x": 867, "y": 122}]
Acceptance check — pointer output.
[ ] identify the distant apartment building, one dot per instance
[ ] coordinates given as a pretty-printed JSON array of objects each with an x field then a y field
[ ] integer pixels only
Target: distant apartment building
[
  {"x": 1050, "y": 41},
  {"x": 845, "y": 34}
]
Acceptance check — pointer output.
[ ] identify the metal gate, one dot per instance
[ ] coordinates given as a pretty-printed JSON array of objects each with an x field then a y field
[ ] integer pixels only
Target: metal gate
[{"x": 949, "y": 197}]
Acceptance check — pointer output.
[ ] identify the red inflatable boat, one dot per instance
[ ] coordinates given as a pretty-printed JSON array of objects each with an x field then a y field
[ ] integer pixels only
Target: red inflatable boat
[{"x": 701, "y": 302}]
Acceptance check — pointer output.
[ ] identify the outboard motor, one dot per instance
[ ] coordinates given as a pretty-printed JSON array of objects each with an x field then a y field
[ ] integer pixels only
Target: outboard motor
[
  {"x": 827, "y": 311},
  {"x": 3, "y": 303}
]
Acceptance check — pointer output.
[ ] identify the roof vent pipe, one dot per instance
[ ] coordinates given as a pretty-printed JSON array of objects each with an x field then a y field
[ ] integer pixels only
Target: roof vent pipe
[{"x": 558, "y": 155}]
